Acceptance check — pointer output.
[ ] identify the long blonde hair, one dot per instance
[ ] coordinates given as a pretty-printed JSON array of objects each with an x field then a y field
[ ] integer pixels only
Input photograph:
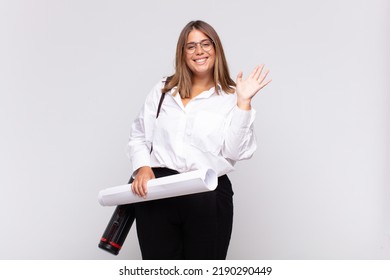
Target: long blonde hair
[{"x": 182, "y": 79}]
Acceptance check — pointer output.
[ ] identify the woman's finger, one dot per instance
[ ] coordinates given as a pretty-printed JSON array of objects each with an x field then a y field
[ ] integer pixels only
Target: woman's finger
[
  {"x": 137, "y": 187},
  {"x": 253, "y": 73},
  {"x": 256, "y": 72},
  {"x": 262, "y": 77},
  {"x": 145, "y": 188},
  {"x": 132, "y": 187},
  {"x": 239, "y": 77},
  {"x": 141, "y": 187},
  {"x": 266, "y": 83}
]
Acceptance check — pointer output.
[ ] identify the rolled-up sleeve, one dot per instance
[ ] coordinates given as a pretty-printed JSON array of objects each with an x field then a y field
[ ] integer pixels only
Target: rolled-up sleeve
[{"x": 240, "y": 140}]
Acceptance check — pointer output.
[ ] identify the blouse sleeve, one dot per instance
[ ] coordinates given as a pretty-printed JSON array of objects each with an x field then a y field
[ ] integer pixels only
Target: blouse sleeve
[
  {"x": 240, "y": 140},
  {"x": 141, "y": 134}
]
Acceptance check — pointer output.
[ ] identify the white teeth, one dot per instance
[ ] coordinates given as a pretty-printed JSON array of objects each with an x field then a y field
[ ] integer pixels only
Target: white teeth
[{"x": 202, "y": 60}]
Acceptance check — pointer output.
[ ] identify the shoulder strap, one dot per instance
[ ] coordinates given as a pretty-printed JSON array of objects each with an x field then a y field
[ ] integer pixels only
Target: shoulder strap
[
  {"x": 162, "y": 97},
  {"x": 159, "y": 105}
]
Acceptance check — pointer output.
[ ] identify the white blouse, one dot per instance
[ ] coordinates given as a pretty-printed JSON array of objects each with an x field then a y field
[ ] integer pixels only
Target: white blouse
[{"x": 209, "y": 132}]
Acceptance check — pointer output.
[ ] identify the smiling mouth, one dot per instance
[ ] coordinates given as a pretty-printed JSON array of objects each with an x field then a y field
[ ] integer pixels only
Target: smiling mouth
[{"x": 201, "y": 61}]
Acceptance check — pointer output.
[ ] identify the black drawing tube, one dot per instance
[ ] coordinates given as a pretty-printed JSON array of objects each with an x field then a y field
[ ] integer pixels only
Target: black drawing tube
[{"x": 117, "y": 229}]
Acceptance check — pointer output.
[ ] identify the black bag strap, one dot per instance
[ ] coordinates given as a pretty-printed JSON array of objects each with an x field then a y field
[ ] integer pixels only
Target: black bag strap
[
  {"x": 160, "y": 103},
  {"x": 162, "y": 97}
]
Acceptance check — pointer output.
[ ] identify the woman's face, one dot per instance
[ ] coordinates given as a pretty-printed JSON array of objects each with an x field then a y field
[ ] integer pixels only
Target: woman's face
[{"x": 200, "y": 54}]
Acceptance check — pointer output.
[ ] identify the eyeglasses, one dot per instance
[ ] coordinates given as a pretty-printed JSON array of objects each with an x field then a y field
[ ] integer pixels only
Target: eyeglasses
[{"x": 205, "y": 44}]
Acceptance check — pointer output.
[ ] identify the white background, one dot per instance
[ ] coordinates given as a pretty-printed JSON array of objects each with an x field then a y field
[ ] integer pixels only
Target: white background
[{"x": 74, "y": 74}]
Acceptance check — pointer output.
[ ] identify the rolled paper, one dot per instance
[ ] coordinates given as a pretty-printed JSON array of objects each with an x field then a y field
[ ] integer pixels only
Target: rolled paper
[{"x": 197, "y": 181}]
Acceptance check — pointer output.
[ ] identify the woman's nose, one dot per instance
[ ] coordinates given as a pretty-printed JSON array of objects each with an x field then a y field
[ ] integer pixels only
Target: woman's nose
[{"x": 198, "y": 49}]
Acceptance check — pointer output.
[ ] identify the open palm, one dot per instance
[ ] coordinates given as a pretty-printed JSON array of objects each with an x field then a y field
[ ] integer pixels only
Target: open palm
[{"x": 248, "y": 88}]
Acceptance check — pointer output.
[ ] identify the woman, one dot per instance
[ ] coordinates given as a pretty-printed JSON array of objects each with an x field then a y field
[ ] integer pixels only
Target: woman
[{"x": 205, "y": 121}]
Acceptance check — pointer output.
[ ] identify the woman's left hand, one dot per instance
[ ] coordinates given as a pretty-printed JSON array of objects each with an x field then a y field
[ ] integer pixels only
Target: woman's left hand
[{"x": 247, "y": 89}]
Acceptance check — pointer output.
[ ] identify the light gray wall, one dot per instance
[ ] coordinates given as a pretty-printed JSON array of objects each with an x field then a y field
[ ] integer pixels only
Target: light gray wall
[{"x": 73, "y": 75}]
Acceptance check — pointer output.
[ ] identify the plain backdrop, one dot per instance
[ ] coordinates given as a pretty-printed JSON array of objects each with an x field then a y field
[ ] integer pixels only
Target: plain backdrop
[{"x": 74, "y": 74}]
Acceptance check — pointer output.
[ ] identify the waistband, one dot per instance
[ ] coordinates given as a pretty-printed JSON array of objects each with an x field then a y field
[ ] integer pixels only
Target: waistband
[{"x": 164, "y": 171}]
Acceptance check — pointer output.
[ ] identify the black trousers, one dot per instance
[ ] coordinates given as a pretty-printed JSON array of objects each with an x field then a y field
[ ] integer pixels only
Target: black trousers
[{"x": 196, "y": 226}]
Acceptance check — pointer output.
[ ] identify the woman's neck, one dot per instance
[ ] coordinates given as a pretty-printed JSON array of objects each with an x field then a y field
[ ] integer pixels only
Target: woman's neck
[{"x": 202, "y": 83}]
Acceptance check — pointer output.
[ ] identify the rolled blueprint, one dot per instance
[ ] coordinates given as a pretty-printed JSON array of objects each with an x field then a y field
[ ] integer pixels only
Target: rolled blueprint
[{"x": 175, "y": 185}]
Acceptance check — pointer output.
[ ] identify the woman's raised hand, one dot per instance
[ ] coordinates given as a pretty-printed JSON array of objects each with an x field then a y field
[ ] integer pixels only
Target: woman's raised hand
[{"x": 247, "y": 89}]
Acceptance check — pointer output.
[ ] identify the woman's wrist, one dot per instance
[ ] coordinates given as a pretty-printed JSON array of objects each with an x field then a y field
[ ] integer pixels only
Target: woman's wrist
[{"x": 244, "y": 104}]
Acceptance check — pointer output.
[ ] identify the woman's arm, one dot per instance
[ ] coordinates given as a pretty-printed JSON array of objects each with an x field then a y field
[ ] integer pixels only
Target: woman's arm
[
  {"x": 141, "y": 140},
  {"x": 239, "y": 139}
]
